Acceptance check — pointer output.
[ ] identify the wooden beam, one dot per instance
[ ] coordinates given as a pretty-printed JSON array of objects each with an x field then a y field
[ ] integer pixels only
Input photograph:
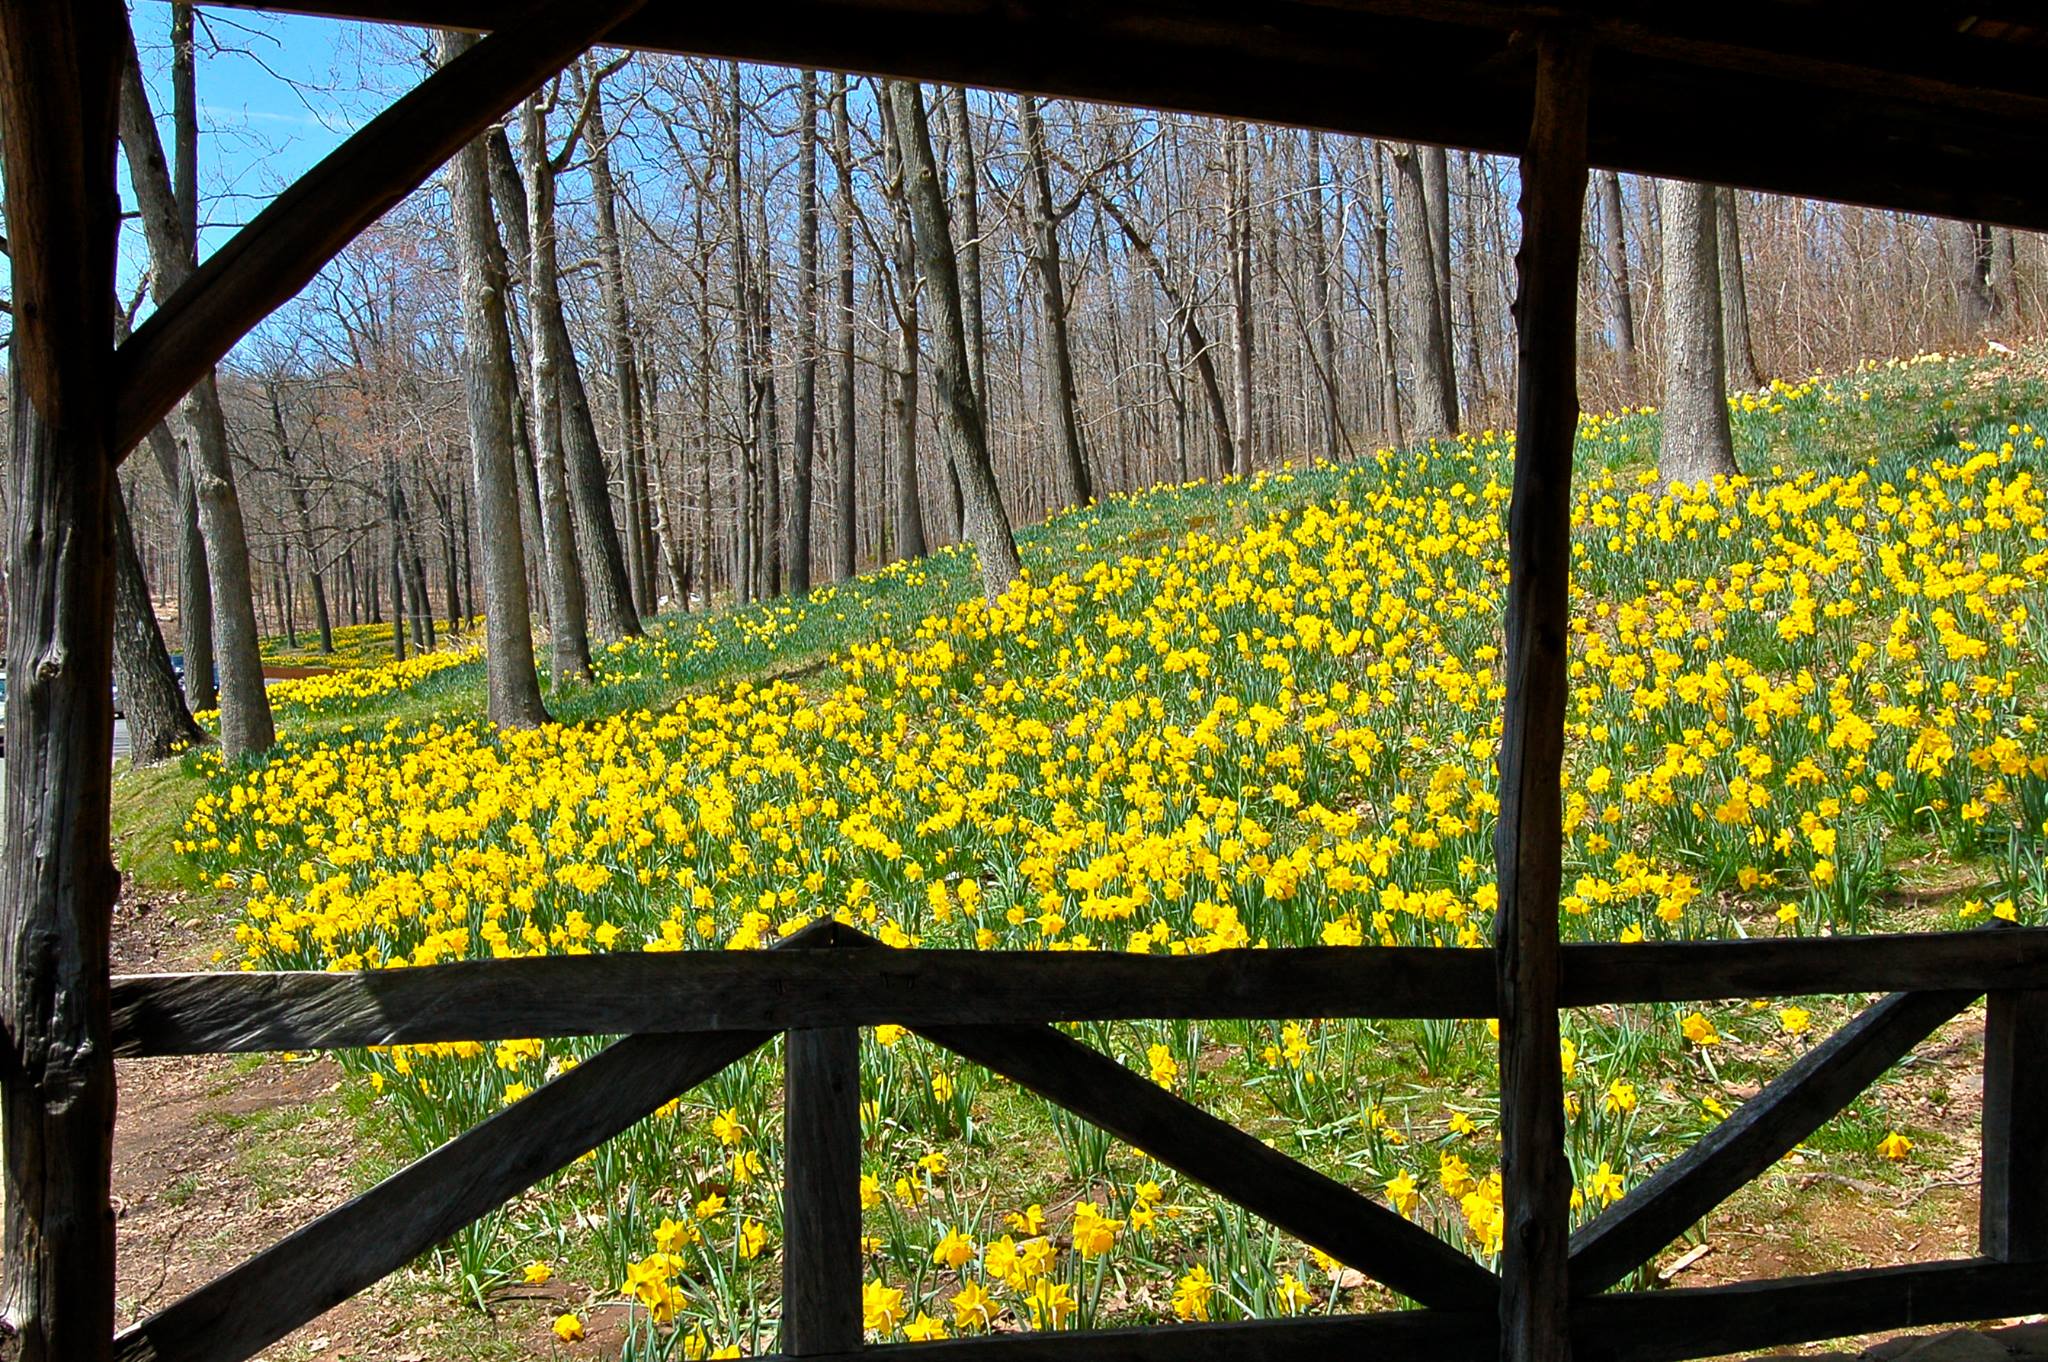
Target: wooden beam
[
  {"x": 1650, "y": 1326},
  {"x": 1791, "y": 1107},
  {"x": 248, "y": 1308},
  {"x": 1708, "y": 1321},
  {"x": 821, "y": 1232},
  {"x": 1910, "y": 122},
  {"x": 1318, "y": 1210},
  {"x": 306, "y": 226},
  {"x": 1536, "y": 1181},
  {"x": 1980, "y": 960},
  {"x": 772, "y": 990},
  {"x": 1437, "y": 1335},
  {"x": 232, "y": 1012},
  {"x": 59, "y": 75},
  {"x": 2013, "y": 1206}
]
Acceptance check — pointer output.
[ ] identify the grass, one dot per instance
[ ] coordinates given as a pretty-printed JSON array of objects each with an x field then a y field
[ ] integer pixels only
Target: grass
[{"x": 1414, "y": 1077}]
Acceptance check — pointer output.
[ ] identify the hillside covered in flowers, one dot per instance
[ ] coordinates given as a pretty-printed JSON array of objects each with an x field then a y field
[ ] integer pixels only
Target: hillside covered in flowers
[{"x": 1260, "y": 713}]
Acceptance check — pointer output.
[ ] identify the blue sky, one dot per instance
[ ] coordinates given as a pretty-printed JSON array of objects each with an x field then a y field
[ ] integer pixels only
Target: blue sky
[{"x": 276, "y": 93}]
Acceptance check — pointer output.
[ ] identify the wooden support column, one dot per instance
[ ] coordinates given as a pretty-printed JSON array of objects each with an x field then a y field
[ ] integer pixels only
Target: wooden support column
[
  {"x": 821, "y": 1259},
  {"x": 59, "y": 78},
  {"x": 1536, "y": 1182},
  {"x": 2013, "y": 1207}
]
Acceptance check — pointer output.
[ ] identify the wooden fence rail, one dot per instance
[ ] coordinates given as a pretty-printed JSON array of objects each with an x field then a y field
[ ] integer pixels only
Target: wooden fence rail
[
  {"x": 182, "y": 1014},
  {"x": 818, "y": 991}
]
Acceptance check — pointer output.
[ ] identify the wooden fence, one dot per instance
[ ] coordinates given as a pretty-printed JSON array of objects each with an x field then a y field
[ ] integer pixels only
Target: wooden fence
[{"x": 686, "y": 1016}]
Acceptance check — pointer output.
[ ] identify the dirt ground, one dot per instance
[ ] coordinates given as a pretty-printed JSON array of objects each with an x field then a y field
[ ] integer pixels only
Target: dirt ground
[{"x": 218, "y": 1157}]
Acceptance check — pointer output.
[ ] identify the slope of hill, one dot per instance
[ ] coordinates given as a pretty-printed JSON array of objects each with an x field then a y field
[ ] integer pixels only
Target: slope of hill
[{"x": 1255, "y": 713}]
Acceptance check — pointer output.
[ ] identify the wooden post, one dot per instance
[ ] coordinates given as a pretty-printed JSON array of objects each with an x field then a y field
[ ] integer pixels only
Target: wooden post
[
  {"x": 821, "y": 1258},
  {"x": 1536, "y": 1182},
  {"x": 60, "y": 65},
  {"x": 2013, "y": 1206}
]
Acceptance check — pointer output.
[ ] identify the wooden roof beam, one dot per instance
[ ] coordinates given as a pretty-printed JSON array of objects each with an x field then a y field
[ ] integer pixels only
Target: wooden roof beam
[{"x": 1914, "y": 124}]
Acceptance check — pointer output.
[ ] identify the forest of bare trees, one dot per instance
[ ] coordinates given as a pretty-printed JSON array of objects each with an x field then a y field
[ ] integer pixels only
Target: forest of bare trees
[{"x": 683, "y": 331}]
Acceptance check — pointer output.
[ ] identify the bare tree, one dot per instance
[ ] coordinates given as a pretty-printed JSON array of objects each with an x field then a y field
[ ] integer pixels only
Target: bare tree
[
  {"x": 986, "y": 523},
  {"x": 246, "y": 725},
  {"x": 1741, "y": 354},
  {"x": 511, "y": 682},
  {"x": 1621, "y": 311},
  {"x": 1042, "y": 238}
]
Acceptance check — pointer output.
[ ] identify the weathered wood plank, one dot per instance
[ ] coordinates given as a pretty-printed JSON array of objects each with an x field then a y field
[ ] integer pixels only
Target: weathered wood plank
[
  {"x": 1906, "y": 128},
  {"x": 365, "y": 1239},
  {"x": 1350, "y": 1227},
  {"x": 162, "y": 1014},
  {"x": 1666, "y": 1326},
  {"x": 772, "y": 990},
  {"x": 1764, "y": 1129},
  {"x": 1652, "y": 1326},
  {"x": 293, "y": 238},
  {"x": 1980, "y": 960},
  {"x": 821, "y": 1256},
  {"x": 1436, "y": 1335},
  {"x": 59, "y": 71},
  {"x": 1536, "y": 1181},
  {"x": 2013, "y": 1208}
]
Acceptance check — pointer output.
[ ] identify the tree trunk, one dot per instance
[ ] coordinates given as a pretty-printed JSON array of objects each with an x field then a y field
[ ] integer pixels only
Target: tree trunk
[
  {"x": 569, "y": 627},
  {"x": 1319, "y": 295},
  {"x": 910, "y": 537},
  {"x": 640, "y": 555},
  {"x": 1042, "y": 243},
  {"x": 1735, "y": 342},
  {"x": 159, "y": 724},
  {"x": 1383, "y": 289},
  {"x": 1237, "y": 158},
  {"x": 302, "y": 510},
  {"x": 967, "y": 225},
  {"x": 984, "y": 522},
  {"x": 843, "y": 505},
  {"x": 1436, "y": 198},
  {"x": 60, "y": 68},
  {"x": 602, "y": 566},
  {"x": 1621, "y": 308},
  {"x": 246, "y": 725},
  {"x": 1422, "y": 304},
  {"x": 1696, "y": 442},
  {"x": 511, "y": 680},
  {"x": 805, "y": 452},
  {"x": 1974, "y": 297}
]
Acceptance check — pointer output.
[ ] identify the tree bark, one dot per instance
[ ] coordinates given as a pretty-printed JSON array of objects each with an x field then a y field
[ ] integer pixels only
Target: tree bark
[
  {"x": 640, "y": 549},
  {"x": 844, "y": 465},
  {"x": 1735, "y": 340},
  {"x": 1436, "y": 390},
  {"x": 1042, "y": 243},
  {"x": 295, "y": 487},
  {"x": 568, "y": 594},
  {"x": 60, "y": 71},
  {"x": 159, "y": 724},
  {"x": 985, "y": 523},
  {"x": 805, "y": 452},
  {"x": 1696, "y": 441},
  {"x": 245, "y": 719},
  {"x": 1621, "y": 308},
  {"x": 967, "y": 225},
  {"x": 1237, "y": 159},
  {"x": 511, "y": 682},
  {"x": 910, "y": 536},
  {"x": 602, "y": 566}
]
